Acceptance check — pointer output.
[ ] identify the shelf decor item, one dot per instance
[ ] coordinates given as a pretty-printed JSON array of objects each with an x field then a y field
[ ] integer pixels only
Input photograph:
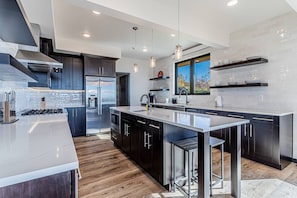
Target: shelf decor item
[{"x": 160, "y": 74}]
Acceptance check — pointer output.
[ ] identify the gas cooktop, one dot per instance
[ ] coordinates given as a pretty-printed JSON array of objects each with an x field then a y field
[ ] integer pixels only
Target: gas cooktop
[{"x": 42, "y": 111}]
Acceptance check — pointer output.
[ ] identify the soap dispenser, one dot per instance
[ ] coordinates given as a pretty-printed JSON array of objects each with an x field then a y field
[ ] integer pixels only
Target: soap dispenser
[{"x": 42, "y": 103}]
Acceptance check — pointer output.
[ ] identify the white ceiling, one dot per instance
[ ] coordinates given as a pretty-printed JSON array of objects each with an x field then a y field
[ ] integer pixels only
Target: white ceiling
[{"x": 201, "y": 21}]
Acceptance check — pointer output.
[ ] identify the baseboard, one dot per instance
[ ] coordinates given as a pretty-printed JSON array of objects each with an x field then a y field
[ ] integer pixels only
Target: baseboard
[{"x": 294, "y": 160}]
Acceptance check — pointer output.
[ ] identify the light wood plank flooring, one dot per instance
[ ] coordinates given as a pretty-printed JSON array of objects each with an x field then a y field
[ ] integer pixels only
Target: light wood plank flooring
[{"x": 108, "y": 173}]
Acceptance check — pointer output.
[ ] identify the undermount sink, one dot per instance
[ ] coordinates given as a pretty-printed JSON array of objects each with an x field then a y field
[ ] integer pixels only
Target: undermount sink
[{"x": 140, "y": 110}]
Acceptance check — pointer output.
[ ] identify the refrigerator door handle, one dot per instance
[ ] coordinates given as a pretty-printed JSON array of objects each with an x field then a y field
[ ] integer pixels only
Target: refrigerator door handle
[{"x": 99, "y": 101}]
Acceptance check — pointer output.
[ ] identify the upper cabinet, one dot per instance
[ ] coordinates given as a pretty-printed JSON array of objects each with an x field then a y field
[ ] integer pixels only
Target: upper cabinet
[
  {"x": 71, "y": 76},
  {"x": 95, "y": 66}
]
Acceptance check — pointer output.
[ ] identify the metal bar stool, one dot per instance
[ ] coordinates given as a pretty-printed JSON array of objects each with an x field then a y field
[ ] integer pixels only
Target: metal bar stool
[{"x": 189, "y": 146}]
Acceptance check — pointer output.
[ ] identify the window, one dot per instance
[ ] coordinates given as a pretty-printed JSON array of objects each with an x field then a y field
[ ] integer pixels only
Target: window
[{"x": 193, "y": 74}]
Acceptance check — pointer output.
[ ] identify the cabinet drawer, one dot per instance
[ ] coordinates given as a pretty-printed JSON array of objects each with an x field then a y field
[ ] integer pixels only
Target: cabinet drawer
[{"x": 154, "y": 124}]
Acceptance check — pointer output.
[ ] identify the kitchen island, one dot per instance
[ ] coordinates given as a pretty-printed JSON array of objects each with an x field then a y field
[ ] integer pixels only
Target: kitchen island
[
  {"x": 201, "y": 125},
  {"x": 38, "y": 158}
]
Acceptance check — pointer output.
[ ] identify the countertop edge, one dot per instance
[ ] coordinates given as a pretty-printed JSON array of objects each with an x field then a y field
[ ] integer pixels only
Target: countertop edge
[{"x": 11, "y": 180}]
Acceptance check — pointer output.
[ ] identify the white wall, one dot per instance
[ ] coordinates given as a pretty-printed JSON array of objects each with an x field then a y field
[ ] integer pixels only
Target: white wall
[
  {"x": 275, "y": 39},
  {"x": 139, "y": 81}
]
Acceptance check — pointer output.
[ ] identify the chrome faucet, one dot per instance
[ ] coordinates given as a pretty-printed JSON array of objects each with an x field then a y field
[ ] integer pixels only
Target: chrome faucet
[
  {"x": 181, "y": 90},
  {"x": 148, "y": 100}
]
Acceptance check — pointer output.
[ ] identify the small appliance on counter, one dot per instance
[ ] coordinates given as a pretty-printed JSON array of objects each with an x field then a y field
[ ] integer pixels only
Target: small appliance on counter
[{"x": 8, "y": 108}]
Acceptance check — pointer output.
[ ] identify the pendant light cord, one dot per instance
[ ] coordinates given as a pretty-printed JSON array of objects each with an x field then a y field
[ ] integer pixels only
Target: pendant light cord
[{"x": 178, "y": 7}]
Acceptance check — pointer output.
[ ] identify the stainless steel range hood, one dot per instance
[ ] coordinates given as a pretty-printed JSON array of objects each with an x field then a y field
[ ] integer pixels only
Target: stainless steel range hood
[
  {"x": 29, "y": 55},
  {"x": 15, "y": 26},
  {"x": 12, "y": 70},
  {"x": 37, "y": 58}
]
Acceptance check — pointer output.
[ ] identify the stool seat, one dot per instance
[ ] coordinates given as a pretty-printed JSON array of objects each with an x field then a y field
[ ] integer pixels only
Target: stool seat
[
  {"x": 189, "y": 145},
  {"x": 192, "y": 143}
]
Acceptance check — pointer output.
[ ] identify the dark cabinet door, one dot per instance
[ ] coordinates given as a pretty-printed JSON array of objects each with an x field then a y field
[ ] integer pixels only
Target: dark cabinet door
[
  {"x": 107, "y": 68},
  {"x": 77, "y": 74},
  {"x": 77, "y": 121},
  {"x": 156, "y": 129},
  {"x": 261, "y": 138},
  {"x": 126, "y": 135},
  {"x": 92, "y": 66},
  {"x": 56, "y": 77},
  {"x": 67, "y": 73},
  {"x": 80, "y": 121},
  {"x": 145, "y": 145}
]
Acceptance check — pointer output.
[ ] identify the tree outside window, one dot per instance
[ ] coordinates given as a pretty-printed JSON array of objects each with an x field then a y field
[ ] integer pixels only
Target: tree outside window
[{"x": 193, "y": 74}]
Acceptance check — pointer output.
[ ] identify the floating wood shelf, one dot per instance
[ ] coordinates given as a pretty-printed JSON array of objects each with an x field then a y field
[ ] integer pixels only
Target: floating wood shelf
[
  {"x": 243, "y": 63},
  {"x": 160, "y": 78},
  {"x": 240, "y": 85},
  {"x": 164, "y": 89}
]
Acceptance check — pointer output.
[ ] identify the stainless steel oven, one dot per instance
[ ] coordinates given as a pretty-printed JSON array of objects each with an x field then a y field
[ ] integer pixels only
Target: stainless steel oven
[{"x": 115, "y": 119}]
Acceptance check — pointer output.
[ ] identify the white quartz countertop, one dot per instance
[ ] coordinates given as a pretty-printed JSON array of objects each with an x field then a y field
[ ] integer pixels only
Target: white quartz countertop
[
  {"x": 232, "y": 109},
  {"x": 34, "y": 147},
  {"x": 193, "y": 121}
]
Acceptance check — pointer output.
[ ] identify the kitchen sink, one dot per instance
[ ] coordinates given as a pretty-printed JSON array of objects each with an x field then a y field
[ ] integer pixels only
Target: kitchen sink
[{"x": 140, "y": 110}]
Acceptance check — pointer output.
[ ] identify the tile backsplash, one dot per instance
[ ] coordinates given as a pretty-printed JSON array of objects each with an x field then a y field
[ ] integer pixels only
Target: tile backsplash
[{"x": 28, "y": 98}]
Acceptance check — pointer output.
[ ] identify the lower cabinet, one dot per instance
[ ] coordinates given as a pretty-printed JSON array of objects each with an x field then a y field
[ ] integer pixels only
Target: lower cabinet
[
  {"x": 57, "y": 185},
  {"x": 77, "y": 121},
  {"x": 142, "y": 141},
  {"x": 126, "y": 127},
  {"x": 266, "y": 139}
]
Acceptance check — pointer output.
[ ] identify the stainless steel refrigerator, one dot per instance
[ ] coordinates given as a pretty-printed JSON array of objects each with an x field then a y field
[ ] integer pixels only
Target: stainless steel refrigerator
[{"x": 100, "y": 95}]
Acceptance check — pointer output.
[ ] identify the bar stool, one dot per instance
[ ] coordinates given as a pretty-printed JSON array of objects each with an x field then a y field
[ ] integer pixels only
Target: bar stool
[{"x": 189, "y": 146}]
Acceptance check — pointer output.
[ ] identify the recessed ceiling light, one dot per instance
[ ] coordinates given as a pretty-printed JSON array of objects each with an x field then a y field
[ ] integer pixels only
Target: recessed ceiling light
[
  {"x": 96, "y": 12},
  {"x": 144, "y": 49},
  {"x": 86, "y": 35},
  {"x": 232, "y": 3},
  {"x": 172, "y": 35}
]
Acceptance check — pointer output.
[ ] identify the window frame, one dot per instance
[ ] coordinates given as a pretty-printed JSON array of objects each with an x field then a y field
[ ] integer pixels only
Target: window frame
[{"x": 192, "y": 75}]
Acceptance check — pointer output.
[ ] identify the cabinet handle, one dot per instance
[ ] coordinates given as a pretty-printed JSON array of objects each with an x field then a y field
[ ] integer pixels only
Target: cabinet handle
[
  {"x": 127, "y": 134},
  {"x": 154, "y": 126},
  {"x": 235, "y": 116},
  {"x": 78, "y": 173},
  {"x": 75, "y": 112},
  {"x": 125, "y": 128},
  {"x": 114, "y": 137},
  {"x": 141, "y": 122},
  {"x": 102, "y": 70},
  {"x": 144, "y": 138},
  {"x": 263, "y": 119},
  {"x": 211, "y": 113},
  {"x": 148, "y": 141},
  {"x": 251, "y": 131},
  {"x": 245, "y": 130}
]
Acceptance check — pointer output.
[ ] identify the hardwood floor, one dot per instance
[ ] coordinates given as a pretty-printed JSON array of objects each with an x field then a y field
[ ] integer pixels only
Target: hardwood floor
[{"x": 108, "y": 173}]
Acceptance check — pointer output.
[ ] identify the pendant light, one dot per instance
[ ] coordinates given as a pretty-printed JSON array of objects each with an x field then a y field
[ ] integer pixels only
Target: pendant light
[
  {"x": 178, "y": 48},
  {"x": 135, "y": 66},
  {"x": 153, "y": 60}
]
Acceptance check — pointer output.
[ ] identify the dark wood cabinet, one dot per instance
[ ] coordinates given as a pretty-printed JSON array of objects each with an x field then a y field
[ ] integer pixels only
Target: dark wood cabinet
[
  {"x": 71, "y": 77},
  {"x": 77, "y": 121},
  {"x": 44, "y": 80},
  {"x": 57, "y": 185},
  {"x": 95, "y": 66},
  {"x": 156, "y": 131},
  {"x": 266, "y": 139},
  {"x": 126, "y": 127},
  {"x": 142, "y": 140},
  {"x": 262, "y": 134}
]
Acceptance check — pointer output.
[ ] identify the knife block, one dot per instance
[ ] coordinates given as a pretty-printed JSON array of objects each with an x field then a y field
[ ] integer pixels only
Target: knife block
[{"x": 6, "y": 112}]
